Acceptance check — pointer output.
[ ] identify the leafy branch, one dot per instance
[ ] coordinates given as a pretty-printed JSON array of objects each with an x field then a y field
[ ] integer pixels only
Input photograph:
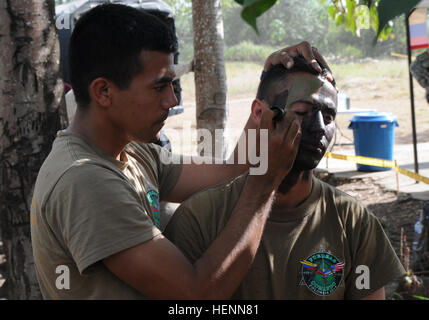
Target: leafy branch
[{"x": 354, "y": 14}]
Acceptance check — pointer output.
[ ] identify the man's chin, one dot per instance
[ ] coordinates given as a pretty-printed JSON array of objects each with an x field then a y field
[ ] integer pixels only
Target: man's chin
[
  {"x": 151, "y": 139},
  {"x": 307, "y": 165}
]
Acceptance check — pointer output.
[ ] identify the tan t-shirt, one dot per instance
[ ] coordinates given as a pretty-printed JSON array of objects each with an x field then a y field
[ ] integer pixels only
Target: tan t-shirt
[
  {"x": 88, "y": 206},
  {"x": 310, "y": 252}
]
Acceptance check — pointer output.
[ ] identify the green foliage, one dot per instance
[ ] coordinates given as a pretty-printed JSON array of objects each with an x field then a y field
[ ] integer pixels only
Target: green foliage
[
  {"x": 252, "y": 9},
  {"x": 284, "y": 25},
  {"x": 248, "y": 51},
  {"x": 387, "y": 11},
  {"x": 377, "y": 14},
  {"x": 277, "y": 30}
]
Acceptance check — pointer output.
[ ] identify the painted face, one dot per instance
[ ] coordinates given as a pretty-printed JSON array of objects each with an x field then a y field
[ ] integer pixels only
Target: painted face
[
  {"x": 140, "y": 111},
  {"x": 314, "y": 101}
]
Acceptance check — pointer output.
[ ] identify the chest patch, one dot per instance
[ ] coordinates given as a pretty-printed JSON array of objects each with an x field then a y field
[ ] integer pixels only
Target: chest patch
[
  {"x": 322, "y": 273},
  {"x": 153, "y": 198}
]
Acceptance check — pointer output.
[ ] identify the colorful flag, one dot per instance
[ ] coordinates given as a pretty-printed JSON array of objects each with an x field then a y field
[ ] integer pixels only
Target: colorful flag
[{"x": 418, "y": 29}]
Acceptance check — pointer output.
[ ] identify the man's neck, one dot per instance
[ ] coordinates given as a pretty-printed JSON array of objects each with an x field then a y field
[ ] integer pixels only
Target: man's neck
[
  {"x": 301, "y": 189},
  {"x": 93, "y": 129}
]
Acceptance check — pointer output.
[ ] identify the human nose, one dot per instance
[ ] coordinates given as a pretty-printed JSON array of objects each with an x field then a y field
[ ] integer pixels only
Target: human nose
[
  {"x": 318, "y": 124},
  {"x": 171, "y": 99}
]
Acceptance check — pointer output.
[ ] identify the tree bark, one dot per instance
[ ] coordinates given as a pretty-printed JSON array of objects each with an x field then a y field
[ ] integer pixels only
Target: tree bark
[
  {"x": 30, "y": 115},
  {"x": 209, "y": 70}
]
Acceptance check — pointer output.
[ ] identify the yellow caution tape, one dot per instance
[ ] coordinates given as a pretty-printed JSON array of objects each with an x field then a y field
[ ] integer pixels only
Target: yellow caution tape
[
  {"x": 363, "y": 160},
  {"x": 413, "y": 175},
  {"x": 378, "y": 163}
]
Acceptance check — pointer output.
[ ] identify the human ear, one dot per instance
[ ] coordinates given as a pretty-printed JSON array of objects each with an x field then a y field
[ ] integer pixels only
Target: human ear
[
  {"x": 100, "y": 91},
  {"x": 257, "y": 107}
]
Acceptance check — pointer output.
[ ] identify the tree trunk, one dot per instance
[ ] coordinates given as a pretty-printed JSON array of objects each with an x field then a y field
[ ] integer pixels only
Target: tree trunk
[
  {"x": 30, "y": 95},
  {"x": 210, "y": 77}
]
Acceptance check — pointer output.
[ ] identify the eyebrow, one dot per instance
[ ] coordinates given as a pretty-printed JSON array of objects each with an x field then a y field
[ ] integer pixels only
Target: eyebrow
[{"x": 163, "y": 80}]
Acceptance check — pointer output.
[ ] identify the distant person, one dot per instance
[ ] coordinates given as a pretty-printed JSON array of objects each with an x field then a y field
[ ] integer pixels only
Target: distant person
[
  {"x": 96, "y": 227},
  {"x": 419, "y": 68},
  {"x": 317, "y": 240}
]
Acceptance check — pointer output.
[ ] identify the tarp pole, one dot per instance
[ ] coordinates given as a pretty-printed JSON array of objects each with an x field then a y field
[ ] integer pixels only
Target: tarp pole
[{"x": 413, "y": 114}]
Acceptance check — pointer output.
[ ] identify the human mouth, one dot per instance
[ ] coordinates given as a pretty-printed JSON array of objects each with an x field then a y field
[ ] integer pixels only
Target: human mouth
[
  {"x": 315, "y": 147},
  {"x": 163, "y": 118}
]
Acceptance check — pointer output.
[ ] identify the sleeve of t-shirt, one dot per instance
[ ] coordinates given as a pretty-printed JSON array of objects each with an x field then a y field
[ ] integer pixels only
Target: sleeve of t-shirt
[
  {"x": 187, "y": 233},
  {"x": 98, "y": 213},
  {"x": 372, "y": 255}
]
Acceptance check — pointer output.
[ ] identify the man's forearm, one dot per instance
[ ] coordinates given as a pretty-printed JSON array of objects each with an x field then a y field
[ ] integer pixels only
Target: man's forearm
[{"x": 223, "y": 266}]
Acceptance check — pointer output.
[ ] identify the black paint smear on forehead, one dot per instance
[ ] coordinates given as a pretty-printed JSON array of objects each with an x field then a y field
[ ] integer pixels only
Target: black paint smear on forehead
[
  {"x": 279, "y": 105},
  {"x": 280, "y": 100}
]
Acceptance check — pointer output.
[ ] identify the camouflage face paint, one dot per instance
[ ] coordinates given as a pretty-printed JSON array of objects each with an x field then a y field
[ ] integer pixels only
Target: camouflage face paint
[
  {"x": 303, "y": 89},
  {"x": 314, "y": 101}
]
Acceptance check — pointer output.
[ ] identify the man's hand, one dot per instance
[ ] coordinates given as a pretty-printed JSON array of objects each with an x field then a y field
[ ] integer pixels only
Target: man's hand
[
  {"x": 311, "y": 54},
  {"x": 283, "y": 143}
]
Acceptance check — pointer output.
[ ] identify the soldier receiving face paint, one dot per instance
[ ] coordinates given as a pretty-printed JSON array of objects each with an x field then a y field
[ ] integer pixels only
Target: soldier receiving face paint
[
  {"x": 316, "y": 237},
  {"x": 313, "y": 99}
]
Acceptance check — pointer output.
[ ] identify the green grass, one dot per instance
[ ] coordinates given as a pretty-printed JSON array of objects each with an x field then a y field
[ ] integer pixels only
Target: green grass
[
  {"x": 390, "y": 69},
  {"x": 247, "y": 51},
  {"x": 242, "y": 78}
]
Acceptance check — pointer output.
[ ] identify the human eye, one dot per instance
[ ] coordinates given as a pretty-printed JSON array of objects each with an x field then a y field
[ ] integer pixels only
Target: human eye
[
  {"x": 328, "y": 117},
  {"x": 301, "y": 113},
  {"x": 160, "y": 88}
]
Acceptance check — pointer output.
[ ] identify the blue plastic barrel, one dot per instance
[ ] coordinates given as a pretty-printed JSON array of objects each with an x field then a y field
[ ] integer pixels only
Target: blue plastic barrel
[{"x": 374, "y": 136}]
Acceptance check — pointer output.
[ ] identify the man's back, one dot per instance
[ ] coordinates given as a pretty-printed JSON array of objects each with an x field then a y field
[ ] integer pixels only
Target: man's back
[
  {"x": 88, "y": 206},
  {"x": 309, "y": 252}
]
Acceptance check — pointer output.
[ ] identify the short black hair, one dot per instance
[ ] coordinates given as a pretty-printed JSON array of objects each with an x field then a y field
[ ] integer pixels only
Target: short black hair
[
  {"x": 107, "y": 42},
  {"x": 278, "y": 72}
]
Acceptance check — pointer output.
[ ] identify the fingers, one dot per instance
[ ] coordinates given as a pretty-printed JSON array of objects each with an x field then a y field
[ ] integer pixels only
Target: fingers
[
  {"x": 320, "y": 58},
  {"x": 311, "y": 54},
  {"x": 324, "y": 64},
  {"x": 281, "y": 56},
  {"x": 289, "y": 128},
  {"x": 278, "y": 128},
  {"x": 306, "y": 50},
  {"x": 284, "y": 124},
  {"x": 294, "y": 135},
  {"x": 303, "y": 49}
]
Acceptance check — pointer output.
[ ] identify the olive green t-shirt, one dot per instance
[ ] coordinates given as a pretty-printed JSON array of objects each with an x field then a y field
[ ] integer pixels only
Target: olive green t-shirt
[
  {"x": 314, "y": 251},
  {"x": 88, "y": 206}
]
